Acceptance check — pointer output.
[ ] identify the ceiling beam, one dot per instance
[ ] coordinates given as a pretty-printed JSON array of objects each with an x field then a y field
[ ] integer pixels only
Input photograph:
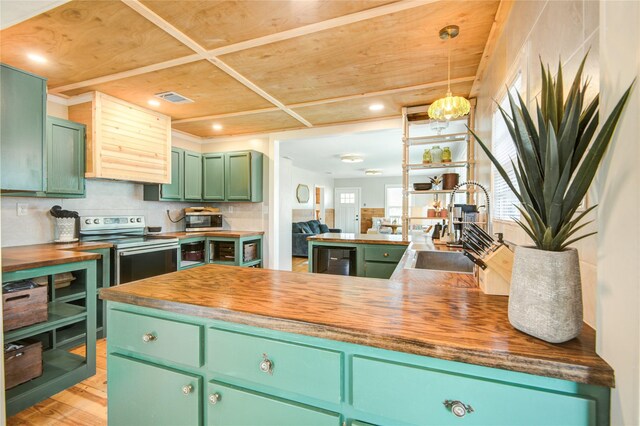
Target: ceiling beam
[
  {"x": 494, "y": 34},
  {"x": 331, "y": 100},
  {"x": 167, "y": 27},
  {"x": 260, "y": 41}
]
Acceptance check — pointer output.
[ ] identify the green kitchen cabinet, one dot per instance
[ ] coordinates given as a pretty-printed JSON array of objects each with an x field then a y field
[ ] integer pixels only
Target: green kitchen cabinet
[
  {"x": 213, "y": 177},
  {"x": 192, "y": 176},
  {"x": 71, "y": 314},
  {"x": 65, "y": 157},
  {"x": 260, "y": 376},
  {"x": 23, "y": 101},
  {"x": 372, "y": 260},
  {"x": 243, "y": 176},
  {"x": 173, "y": 191},
  {"x": 141, "y": 393},
  {"x": 241, "y": 407}
]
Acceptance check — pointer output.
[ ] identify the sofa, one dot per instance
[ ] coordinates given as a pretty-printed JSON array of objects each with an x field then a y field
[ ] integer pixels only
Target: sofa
[{"x": 300, "y": 231}]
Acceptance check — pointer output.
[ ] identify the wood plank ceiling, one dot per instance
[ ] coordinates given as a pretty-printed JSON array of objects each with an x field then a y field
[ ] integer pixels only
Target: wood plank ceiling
[{"x": 257, "y": 66}]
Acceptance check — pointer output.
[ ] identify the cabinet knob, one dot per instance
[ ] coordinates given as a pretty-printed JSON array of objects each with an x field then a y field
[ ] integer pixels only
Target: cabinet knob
[
  {"x": 149, "y": 337},
  {"x": 458, "y": 408},
  {"x": 187, "y": 389},
  {"x": 266, "y": 366},
  {"x": 214, "y": 398},
  {"x": 386, "y": 255}
]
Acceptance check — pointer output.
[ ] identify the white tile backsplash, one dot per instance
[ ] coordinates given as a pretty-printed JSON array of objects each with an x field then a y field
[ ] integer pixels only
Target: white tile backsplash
[{"x": 111, "y": 198}]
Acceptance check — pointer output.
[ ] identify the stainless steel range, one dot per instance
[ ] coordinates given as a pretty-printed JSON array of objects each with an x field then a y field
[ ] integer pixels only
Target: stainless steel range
[{"x": 134, "y": 255}]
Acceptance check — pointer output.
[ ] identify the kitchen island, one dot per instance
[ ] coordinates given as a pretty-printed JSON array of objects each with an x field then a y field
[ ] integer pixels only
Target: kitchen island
[{"x": 249, "y": 345}]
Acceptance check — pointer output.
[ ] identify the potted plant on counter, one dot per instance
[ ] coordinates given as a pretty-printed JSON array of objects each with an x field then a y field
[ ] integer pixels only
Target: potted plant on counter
[{"x": 558, "y": 154}]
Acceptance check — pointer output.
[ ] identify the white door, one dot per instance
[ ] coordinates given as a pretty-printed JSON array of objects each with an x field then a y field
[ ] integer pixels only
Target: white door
[{"x": 347, "y": 204}]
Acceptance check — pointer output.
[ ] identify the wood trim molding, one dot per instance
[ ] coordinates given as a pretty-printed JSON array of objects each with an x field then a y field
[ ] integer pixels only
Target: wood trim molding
[
  {"x": 330, "y": 100},
  {"x": 494, "y": 34},
  {"x": 260, "y": 41},
  {"x": 167, "y": 27}
]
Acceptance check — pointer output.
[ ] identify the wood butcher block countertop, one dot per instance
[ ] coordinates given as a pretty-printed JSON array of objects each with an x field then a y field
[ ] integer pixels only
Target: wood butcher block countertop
[
  {"x": 38, "y": 255},
  {"x": 223, "y": 234},
  {"x": 433, "y": 318},
  {"x": 360, "y": 238}
]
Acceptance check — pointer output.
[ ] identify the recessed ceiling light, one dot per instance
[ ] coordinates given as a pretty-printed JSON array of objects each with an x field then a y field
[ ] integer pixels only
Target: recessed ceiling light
[
  {"x": 372, "y": 172},
  {"x": 376, "y": 107},
  {"x": 36, "y": 58},
  {"x": 351, "y": 158},
  {"x": 217, "y": 126},
  {"x": 153, "y": 102}
]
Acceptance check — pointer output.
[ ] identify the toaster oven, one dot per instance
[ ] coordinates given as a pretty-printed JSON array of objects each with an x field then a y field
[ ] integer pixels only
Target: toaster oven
[{"x": 202, "y": 221}]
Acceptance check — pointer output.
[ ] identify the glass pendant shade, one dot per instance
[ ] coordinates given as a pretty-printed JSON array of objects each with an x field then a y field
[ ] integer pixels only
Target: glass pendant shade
[{"x": 449, "y": 107}]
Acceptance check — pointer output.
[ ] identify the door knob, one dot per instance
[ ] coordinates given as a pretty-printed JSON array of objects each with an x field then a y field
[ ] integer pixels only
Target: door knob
[
  {"x": 458, "y": 408},
  {"x": 214, "y": 398},
  {"x": 149, "y": 337},
  {"x": 187, "y": 389}
]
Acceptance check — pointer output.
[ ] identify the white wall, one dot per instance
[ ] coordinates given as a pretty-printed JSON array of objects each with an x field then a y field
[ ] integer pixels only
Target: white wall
[
  {"x": 550, "y": 30},
  {"x": 372, "y": 188},
  {"x": 300, "y": 176},
  {"x": 285, "y": 216},
  {"x": 618, "y": 256}
]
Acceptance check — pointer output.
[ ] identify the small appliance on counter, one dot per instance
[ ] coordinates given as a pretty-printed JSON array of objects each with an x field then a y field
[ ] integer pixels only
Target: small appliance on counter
[
  {"x": 202, "y": 219},
  {"x": 65, "y": 227}
]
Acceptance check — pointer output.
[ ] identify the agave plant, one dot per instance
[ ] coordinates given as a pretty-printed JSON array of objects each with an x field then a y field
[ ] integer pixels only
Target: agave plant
[{"x": 556, "y": 160}]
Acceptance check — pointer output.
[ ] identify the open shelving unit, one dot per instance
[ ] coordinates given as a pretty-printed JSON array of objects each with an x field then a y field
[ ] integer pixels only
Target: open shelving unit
[
  {"x": 417, "y": 116},
  {"x": 71, "y": 319}
]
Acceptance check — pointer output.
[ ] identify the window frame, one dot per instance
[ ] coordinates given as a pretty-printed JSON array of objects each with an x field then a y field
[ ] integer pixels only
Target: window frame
[{"x": 386, "y": 200}]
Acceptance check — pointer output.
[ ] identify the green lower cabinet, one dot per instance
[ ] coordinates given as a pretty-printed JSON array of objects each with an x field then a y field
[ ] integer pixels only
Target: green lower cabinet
[
  {"x": 229, "y": 405},
  {"x": 141, "y": 393},
  {"x": 256, "y": 376},
  {"x": 418, "y": 396},
  {"x": 379, "y": 269}
]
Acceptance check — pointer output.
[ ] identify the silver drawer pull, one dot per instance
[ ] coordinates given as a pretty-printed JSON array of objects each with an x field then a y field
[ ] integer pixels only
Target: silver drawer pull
[
  {"x": 458, "y": 408},
  {"x": 214, "y": 398},
  {"x": 266, "y": 366},
  {"x": 187, "y": 389},
  {"x": 149, "y": 337}
]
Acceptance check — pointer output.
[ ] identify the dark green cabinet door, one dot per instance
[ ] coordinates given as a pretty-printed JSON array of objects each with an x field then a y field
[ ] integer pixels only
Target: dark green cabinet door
[
  {"x": 23, "y": 106},
  {"x": 142, "y": 393},
  {"x": 238, "y": 176},
  {"x": 192, "y": 176},
  {"x": 174, "y": 190},
  {"x": 213, "y": 177},
  {"x": 65, "y": 156}
]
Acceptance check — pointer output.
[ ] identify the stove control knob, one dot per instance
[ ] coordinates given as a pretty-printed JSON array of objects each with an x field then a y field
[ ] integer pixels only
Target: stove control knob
[
  {"x": 87, "y": 221},
  {"x": 132, "y": 220},
  {"x": 96, "y": 221},
  {"x": 138, "y": 220}
]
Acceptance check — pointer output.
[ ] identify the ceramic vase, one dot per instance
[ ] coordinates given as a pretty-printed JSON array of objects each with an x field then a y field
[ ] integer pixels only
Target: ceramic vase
[{"x": 545, "y": 299}]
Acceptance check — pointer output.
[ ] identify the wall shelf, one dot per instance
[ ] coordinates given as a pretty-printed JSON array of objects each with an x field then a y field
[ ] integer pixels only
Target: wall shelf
[
  {"x": 437, "y": 139},
  {"x": 450, "y": 165}
]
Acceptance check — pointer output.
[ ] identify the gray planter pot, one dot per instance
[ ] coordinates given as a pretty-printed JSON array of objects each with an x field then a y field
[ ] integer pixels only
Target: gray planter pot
[{"x": 545, "y": 299}]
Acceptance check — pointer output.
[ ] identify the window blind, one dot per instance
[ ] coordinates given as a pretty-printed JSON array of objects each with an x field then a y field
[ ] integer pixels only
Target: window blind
[{"x": 503, "y": 148}]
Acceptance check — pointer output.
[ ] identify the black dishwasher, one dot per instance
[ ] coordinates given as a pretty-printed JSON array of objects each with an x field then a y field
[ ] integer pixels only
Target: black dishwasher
[{"x": 334, "y": 260}]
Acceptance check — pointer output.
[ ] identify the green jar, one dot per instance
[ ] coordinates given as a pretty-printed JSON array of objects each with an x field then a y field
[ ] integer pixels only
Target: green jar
[
  {"x": 426, "y": 156},
  {"x": 446, "y": 155}
]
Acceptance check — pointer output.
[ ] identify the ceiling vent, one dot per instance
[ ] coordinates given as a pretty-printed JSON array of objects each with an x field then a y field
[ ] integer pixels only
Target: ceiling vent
[{"x": 174, "y": 98}]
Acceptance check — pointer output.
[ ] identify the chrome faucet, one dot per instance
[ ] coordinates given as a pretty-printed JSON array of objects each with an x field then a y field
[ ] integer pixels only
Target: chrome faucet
[{"x": 450, "y": 228}]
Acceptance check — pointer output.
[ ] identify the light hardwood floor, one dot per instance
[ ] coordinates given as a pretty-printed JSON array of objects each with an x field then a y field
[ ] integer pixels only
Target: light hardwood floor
[
  {"x": 300, "y": 264},
  {"x": 82, "y": 404}
]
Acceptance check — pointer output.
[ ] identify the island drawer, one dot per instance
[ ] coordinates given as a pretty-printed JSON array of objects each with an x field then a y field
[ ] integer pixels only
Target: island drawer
[
  {"x": 228, "y": 405},
  {"x": 156, "y": 337},
  {"x": 384, "y": 253},
  {"x": 303, "y": 370},
  {"x": 418, "y": 395}
]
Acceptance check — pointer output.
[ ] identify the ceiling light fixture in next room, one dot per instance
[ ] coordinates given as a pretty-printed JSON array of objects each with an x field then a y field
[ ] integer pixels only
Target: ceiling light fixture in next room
[{"x": 351, "y": 158}]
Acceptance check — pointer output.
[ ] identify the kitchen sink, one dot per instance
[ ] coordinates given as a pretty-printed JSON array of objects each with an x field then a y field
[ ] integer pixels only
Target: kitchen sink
[{"x": 447, "y": 261}]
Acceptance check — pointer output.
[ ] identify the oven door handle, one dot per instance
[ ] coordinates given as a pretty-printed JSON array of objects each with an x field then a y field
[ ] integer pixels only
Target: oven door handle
[{"x": 143, "y": 250}]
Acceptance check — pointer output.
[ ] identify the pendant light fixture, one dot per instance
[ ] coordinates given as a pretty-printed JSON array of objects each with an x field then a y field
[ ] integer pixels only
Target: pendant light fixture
[{"x": 449, "y": 107}]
